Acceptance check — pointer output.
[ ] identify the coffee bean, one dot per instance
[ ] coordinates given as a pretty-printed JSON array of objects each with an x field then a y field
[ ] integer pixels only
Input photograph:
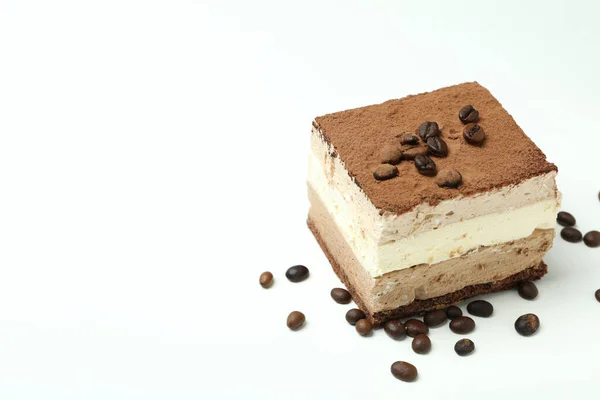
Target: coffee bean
[
  {"x": 341, "y": 296},
  {"x": 592, "y": 239},
  {"x": 527, "y": 324},
  {"x": 528, "y": 290},
  {"x": 415, "y": 327},
  {"x": 453, "y": 312},
  {"x": 421, "y": 344},
  {"x": 565, "y": 219},
  {"x": 295, "y": 320},
  {"x": 266, "y": 279},
  {"x": 404, "y": 371},
  {"x": 449, "y": 178},
  {"x": 411, "y": 153},
  {"x": 462, "y": 325},
  {"x": 435, "y": 318},
  {"x": 468, "y": 114},
  {"x": 597, "y": 294},
  {"x": 464, "y": 347},
  {"x": 395, "y": 329},
  {"x": 385, "y": 172},
  {"x": 353, "y": 315},
  {"x": 437, "y": 147},
  {"x": 428, "y": 129},
  {"x": 409, "y": 138},
  {"x": 390, "y": 155},
  {"x": 480, "y": 308},
  {"x": 425, "y": 165},
  {"x": 363, "y": 326},
  {"x": 570, "y": 235},
  {"x": 474, "y": 134},
  {"x": 297, "y": 273}
]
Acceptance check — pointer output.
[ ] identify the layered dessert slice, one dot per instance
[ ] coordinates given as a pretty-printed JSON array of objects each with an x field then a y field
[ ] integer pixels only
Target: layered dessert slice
[{"x": 421, "y": 202}]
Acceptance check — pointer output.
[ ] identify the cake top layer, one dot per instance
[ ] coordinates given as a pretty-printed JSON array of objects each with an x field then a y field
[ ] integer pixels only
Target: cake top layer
[{"x": 358, "y": 136}]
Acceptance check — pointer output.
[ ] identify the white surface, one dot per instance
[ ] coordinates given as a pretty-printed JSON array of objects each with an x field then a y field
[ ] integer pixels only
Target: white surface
[{"x": 134, "y": 134}]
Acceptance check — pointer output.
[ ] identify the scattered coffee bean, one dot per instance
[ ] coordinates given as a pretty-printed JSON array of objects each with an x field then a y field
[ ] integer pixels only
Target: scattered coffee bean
[
  {"x": 474, "y": 134},
  {"x": 295, "y": 320},
  {"x": 464, "y": 347},
  {"x": 385, "y": 172},
  {"x": 411, "y": 153},
  {"x": 404, "y": 371},
  {"x": 565, "y": 219},
  {"x": 425, "y": 165},
  {"x": 266, "y": 279},
  {"x": 592, "y": 239},
  {"x": 453, "y": 312},
  {"x": 409, "y": 138},
  {"x": 363, "y": 326},
  {"x": 390, "y": 155},
  {"x": 395, "y": 329},
  {"x": 449, "y": 178},
  {"x": 435, "y": 318},
  {"x": 527, "y": 324},
  {"x": 297, "y": 273},
  {"x": 480, "y": 308},
  {"x": 415, "y": 327},
  {"x": 353, "y": 315},
  {"x": 421, "y": 344},
  {"x": 437, "y": 147},
  {"x": 570, "y": 234},
  {"x": 428, "y": 129},
  {"x": 341, "y": 296},
  {"x": 597, "y": 294},
  {"x": 528, "y": 290},
  {"x": 468, "y": 114},
  {"x": 462, "y": 325},
  {"x": 598, "y": 195}
]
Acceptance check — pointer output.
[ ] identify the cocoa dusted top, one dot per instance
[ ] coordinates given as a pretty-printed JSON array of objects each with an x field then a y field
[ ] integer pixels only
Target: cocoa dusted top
[{"x": 507, "y": 156}]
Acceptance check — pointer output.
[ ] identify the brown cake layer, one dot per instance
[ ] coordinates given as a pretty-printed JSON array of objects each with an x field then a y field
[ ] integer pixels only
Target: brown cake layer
[{"x": 507, "y": 156}]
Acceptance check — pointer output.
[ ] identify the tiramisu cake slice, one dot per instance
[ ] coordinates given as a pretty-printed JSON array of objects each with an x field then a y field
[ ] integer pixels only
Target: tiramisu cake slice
[{"x": 421, "y": 202}]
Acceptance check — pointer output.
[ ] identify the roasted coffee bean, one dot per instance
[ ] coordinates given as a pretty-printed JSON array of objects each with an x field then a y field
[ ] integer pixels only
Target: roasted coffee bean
[
  {"x": 527, "y": 324},
  {"x": 297, "y": 273},
  {"x": 597, "y": 294},
  {"x": 565, "y": 219},
  {"x": 437, "y": 147},
  {"x": 341, "y": 296},
  {"x": 404, "y": 371},
  {"x": 421, "y": 344},
  {"x": 462, "y": 325},
  {"x": 449, "y": 178},
  {"x": 464, "y": 347},
  {"x": 266, "y": 279},
  {"x": 385, "y": 172},
  {"x": 592, "y": 239},
  {"x": 468, "y": 114},
  {"x": 480, "y": 308},
  {"x": 415, "y": 327},
  {"x": 453, "y": 312},
  {"x": 570, "y": 234},
  {"x": 425, "y": 165},
  {"x": 390, "y": 155},
  {"x": 295, "y": 320},
  {"x": 363, "y": 326},
  {"x": 528, "y": 290},
  {"x": 395, "y": 329},
  {"x": 428, "y": 129},
  {"x": 409, "y": 138},
  {"x": 435, "y": 318},
  {"x": 474, "y": 134},
  {"x": 411, "y": 153},
  {"x": 353, "y": 315}
]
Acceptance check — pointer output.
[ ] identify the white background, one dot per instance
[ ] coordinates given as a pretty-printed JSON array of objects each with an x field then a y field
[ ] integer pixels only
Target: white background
[{"x": 152, "y": 165}]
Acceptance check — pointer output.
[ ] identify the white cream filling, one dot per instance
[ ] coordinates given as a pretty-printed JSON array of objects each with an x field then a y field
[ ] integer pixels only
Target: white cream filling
[{"x": 428, "y": 234}]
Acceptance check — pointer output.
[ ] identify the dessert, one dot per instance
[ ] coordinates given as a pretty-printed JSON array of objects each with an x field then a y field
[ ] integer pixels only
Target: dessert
[{"x": 467, "y": 208}]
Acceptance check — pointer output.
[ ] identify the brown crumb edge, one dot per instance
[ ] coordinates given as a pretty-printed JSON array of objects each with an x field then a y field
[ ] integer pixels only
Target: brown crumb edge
[{"x": 419, "y": 307}]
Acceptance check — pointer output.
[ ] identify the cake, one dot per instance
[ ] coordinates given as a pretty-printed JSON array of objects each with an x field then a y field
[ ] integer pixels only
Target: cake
[{"x": 410, "y": 226}]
